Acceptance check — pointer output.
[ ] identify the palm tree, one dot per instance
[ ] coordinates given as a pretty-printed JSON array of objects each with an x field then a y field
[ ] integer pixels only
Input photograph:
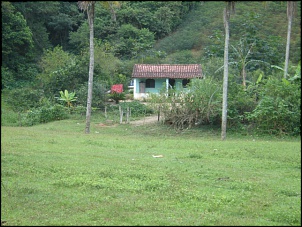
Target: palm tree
[
  {"x": 89, "y": 6},
  {"x": 229, "y": 8},
  {"x": 291, "y": 5}
]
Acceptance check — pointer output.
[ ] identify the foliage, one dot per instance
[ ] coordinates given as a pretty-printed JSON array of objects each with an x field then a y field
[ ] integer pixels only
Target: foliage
[
  {"x": 214, "y": 49},
  {"x": 17, "y": 47},
  {"x": 199, "y": 104},
  {"x": 141, "y": 32},
  {"x": 297, "y": 74},
  {"x": 117, "y": 96},
  {"x": 130, "y": 41},
  {"x": 44, "y": 114},
  {"x": 294, "y": 71},
  {"x": 279, "y": 108},
  {"x": 191, "y": 34},
  {"x": 16, "y": 35},
  {"x": 7, "y": 78},
  {"x": 107, "y": 66},
  {"x": 67, "y": 97},
  {"x": 161, "y": 18},
  {"x": 182, "y": 57},
  {"x": 59, "y": 71},
  {"x": 99, "y": 91},
  {"x": 23, "y": 99},
  {"x": 50, "y": 22},
  {"x": 63, "y": 22},
  {"x": 137, "y": 108},
  {"x": 240, "y": 101}
]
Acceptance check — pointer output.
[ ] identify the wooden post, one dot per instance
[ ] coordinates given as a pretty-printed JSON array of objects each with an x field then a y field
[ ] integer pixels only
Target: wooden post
[
  {"x": 121, "y": 114},
  {"x": 127, "y": 115},
  {"x": 106, "y": 112}
]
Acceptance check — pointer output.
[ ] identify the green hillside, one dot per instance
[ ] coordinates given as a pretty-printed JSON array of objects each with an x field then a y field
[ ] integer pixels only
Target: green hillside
[{"x": 203, "y": 28}]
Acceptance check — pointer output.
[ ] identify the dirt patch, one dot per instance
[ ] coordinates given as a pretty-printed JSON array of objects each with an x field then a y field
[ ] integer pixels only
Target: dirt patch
[
  {"x": 107, "y": 123},
  {"x": 145, "y": 120}
]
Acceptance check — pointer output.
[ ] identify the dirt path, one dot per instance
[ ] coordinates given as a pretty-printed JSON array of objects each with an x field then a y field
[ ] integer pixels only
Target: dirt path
[{"x": 145, "y": 120}]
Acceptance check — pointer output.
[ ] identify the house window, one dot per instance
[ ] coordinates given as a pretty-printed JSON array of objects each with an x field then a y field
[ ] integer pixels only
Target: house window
[
  {"x": 185, "y": 82},
  {"x": 150, "y": 83}
]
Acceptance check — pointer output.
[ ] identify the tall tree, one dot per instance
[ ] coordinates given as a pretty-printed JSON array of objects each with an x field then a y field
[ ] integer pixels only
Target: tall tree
[
  {"x": 88, "y": 6},
  {"x": 290, "y": 12},
  {"x": 229, "y": 8}
]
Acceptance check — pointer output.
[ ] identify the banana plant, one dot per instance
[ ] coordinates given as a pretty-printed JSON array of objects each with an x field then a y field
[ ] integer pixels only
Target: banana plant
[
  {"x": 67, "y": 97},
  {"x": 297, "y": 74}
]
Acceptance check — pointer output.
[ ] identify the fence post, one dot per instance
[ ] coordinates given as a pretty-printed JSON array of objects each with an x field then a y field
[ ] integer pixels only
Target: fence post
[
  {"x": 127, "y": 114},
  {"x": 121, "y": 114}
]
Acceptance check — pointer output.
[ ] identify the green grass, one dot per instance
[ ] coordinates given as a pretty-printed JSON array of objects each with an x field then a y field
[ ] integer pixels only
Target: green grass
[{"x": 55, "y": 174}]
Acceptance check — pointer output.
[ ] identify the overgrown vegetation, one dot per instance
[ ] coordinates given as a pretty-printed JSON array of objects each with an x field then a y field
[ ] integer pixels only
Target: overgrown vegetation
[
  {"x": 199, "y": 103},
  {"x": 49, "y": 53}
]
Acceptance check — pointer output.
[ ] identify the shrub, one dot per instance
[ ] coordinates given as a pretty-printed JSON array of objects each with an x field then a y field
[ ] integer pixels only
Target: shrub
[
  {"x": 136, "y": 108},
  {"x": 22, "y": 99},
  {"x": 99, "y": 95},
  {"x": 199, "y": 104},
  {"x": 240, "y": 101},
  {"x": 279, "y": 109},
  {"x": 44, "y": 114},
  {"x": 117, "y": 96}
]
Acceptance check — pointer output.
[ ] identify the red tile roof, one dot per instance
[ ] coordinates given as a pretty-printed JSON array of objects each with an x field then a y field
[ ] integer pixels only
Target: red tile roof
[{"x": 176, "y": 71}]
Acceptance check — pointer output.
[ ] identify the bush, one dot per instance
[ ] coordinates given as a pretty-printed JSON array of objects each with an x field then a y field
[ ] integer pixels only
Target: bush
[
  {"x": 22, "y": 99},
  {"x": 44, "y": 114},
  {"x": 117, "y": 96},
  {"x": 136, "y": 107},
  {"x": 279, "y": 109},
  {"x": 200, "y": 104},
  {"x": 240, "y": 101},
  {"x": 98, "y": 92}
]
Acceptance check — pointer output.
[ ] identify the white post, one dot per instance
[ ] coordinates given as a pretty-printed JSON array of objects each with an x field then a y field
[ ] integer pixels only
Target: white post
[
  {"x": 121, "y": 114},
  {"x": 134, "y": 88},
  {"x": 167, "y": 85}
]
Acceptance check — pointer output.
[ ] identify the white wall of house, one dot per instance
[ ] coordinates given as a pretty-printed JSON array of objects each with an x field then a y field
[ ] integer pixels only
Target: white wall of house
[{"x": 159, "y": 84}]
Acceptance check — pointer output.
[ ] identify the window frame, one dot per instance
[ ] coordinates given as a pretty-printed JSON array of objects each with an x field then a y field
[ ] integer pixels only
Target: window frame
[{"x": 150, "y": 83}]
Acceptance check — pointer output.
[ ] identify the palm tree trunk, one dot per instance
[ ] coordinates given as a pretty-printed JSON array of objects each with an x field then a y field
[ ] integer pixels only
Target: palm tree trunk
[
  {"x": 90, "y": 14},
  {"x": 226, "y": 69},
  {"x": 290, "y": 9}
]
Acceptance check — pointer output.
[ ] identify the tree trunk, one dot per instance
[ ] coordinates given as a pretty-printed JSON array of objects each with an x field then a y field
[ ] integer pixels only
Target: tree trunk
[
  {"x": 90, "y": 14},
  {"x": 225, "y": 73},
  {"x": 290, "y": 8}
]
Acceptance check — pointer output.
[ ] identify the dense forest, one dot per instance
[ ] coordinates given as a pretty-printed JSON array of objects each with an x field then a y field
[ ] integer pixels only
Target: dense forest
[{"x": 45, "y": 50}]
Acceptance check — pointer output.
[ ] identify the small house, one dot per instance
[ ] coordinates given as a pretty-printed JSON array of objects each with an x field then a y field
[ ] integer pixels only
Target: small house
[{"x": 150, "y": 78}]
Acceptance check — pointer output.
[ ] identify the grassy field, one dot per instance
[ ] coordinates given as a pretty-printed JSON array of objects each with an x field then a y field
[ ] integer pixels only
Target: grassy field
[{"x": 55, "y": 174}]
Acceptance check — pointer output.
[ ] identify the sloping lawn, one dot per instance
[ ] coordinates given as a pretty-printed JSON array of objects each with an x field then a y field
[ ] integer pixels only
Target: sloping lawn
[{"x": 55, "y": 174}]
